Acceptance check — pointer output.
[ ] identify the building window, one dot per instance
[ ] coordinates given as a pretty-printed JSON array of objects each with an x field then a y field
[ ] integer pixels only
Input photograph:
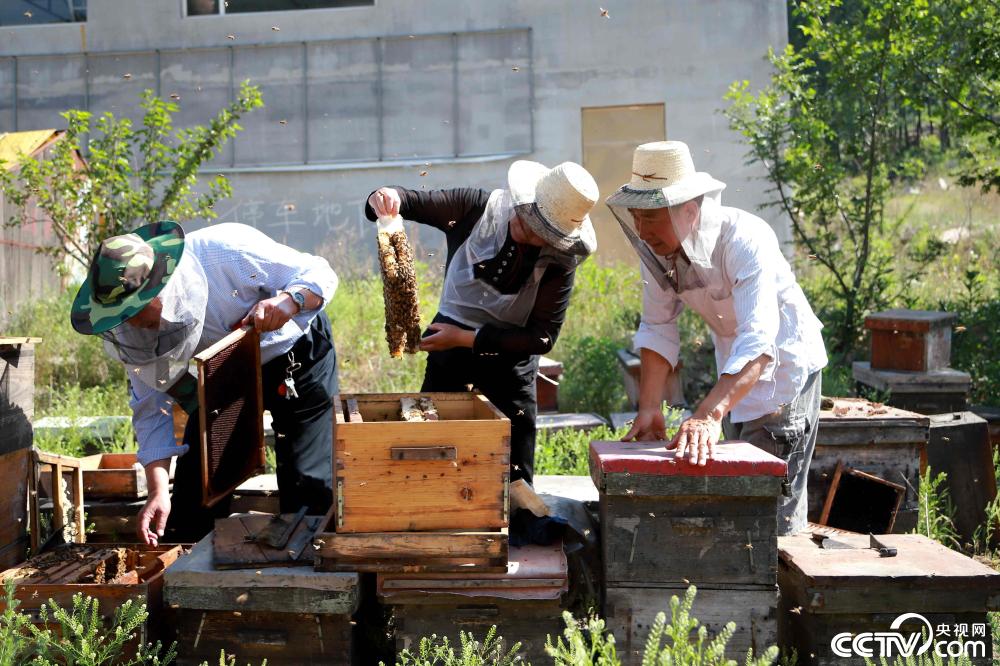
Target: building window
[
  {"x": 36, "y": 12},
  {"x": 213, "y": 7}
]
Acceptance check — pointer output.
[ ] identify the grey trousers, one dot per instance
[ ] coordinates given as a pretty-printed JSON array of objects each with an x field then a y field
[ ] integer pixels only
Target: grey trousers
[{"x": 789, "y": 434}]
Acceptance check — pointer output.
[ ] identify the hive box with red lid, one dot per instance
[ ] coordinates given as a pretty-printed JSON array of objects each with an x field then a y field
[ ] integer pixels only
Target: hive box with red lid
[
  {"x": 667, "y": 524},
  {"x": 664, "y": 521}
]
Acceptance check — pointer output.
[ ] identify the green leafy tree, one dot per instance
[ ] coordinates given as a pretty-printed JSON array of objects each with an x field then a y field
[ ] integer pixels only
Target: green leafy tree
[
  {"x": 955, "y": 57},
  {"x": 132, "y": 176},
  {"x": 824, "y": 130}
]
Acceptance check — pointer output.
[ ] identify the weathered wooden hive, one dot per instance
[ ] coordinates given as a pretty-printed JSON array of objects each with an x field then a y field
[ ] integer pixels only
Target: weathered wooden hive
[
  {"x": 290, "y": 616},
  {"x": 17, "y": 411},
  {"x": 444, "y": 479},
  {"x": 110, "y": 573},
  {"x": 833, "y": 592},
  {"x": 523, "y": 602},
  {"x": 913, "y": 340},
  {"x": 666, "y": 524},
  {"x": 884, "y": 441}
]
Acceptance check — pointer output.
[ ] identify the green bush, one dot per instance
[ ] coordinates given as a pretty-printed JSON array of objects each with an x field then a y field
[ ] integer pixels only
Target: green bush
[
  {"x": 78, "y": 636},
  {"x": 592, "y": 380}
]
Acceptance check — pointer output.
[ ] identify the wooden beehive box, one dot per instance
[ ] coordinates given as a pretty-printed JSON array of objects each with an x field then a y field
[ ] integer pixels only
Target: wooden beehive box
[
  {"x": 910, "y": 340},
  {"x": 288, "y": 615},
  {"x": 664, "y": 522},
  {"x": 17, "y": 411},
  {"x": 884, "y": 441},
  {"x": 831, "y": 591},
  {"x": 448, "y": 474},
  {"x": 547, "y": 380},
  {"x": 110, "y": 573},
  {"x": 113, "y": 475},
  {"x": 959, "y": 445},
  {"x": 523, "y": 602}
]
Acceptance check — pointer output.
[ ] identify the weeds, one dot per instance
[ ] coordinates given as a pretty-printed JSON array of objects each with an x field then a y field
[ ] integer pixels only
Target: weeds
[
  {"x": 682, "y": 641},
  {"x": 434, "y": 651},
  {"x": 936, "y": 514}
]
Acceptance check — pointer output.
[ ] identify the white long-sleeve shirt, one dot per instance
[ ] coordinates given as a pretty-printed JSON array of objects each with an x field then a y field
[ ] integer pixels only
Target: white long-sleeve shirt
[
  {"x": 744, "y": 289},
  {"x": 243, "y": 266}
]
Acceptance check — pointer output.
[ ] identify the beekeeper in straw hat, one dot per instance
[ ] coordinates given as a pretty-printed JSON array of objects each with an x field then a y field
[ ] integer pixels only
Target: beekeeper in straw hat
[
  {"x": 512, "y": 256},
  {"x": 725, "y": 264},
  {"x": 157, "y": 296}
]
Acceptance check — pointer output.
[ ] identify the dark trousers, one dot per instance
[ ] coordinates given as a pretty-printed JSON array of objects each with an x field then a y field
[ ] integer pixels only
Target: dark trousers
[
  {"x": 303, "y": 432},
  {"x": 507, "y": 380}
]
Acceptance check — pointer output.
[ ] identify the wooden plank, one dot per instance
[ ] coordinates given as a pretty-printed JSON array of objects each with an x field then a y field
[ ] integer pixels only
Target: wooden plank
[
  {"x": 413, "y": 545},
  {"x": 528, "y": 568},
  {"x": 15, "y": 468},
  {"x": 701, "y": 540},
  {"x": 80, "y": 527},
  {"x": 195, "y": 583},
  {"x": 368, "y": 565},
  {"x": 233, "y": 549},
  {"x": 630, "y": 613}
]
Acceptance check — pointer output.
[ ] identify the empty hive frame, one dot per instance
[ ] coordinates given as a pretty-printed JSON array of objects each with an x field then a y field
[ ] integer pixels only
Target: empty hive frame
[{"x": 399, "y": 288}]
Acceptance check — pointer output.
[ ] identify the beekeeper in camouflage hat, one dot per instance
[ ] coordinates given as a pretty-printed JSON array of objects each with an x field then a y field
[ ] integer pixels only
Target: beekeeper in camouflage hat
[{"x": 130, "y": 276}]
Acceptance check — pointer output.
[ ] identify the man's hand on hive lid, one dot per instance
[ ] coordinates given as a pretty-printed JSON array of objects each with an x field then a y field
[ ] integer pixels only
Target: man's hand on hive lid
[
  {"x": 648, "y": 426},
  {"x": 696, "y": 440},
  {"x": 271, "y": 314}
]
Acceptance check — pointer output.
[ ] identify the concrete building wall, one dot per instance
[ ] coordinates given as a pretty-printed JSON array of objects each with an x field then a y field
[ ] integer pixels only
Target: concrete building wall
[{"x": 679, "y": 53}]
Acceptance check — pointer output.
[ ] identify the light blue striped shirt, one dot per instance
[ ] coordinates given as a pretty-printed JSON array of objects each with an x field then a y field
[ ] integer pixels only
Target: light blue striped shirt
[{"x": 243, "y": 266}]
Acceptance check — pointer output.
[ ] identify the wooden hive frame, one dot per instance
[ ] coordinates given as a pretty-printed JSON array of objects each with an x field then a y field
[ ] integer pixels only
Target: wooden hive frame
[
  {"x": 58, "y": 465},
  {"x": 231, "y": 408}
]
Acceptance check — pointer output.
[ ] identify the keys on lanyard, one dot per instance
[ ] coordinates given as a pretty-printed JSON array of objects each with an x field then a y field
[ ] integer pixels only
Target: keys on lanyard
[{"x": 289, "y": 386}]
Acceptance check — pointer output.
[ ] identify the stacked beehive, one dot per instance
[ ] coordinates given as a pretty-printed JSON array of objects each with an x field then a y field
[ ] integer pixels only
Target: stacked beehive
[
  {"x": 288, "y": 615},
  {"x": 666, "y": 524},
  {"x": 426, "y": 494},
  {"x": 837, "y": 589},
  {"x": 884, "y": 441},
  {"x": 523, "y": 602},
  {"x": 910, "y": 358}
]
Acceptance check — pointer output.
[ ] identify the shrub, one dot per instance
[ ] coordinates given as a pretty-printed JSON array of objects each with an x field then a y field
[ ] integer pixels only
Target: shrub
[{"x": 434, "y": 651}]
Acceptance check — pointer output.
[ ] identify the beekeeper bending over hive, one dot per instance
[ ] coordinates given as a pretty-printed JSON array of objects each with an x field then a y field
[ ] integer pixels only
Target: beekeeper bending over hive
[
  {"x": 726, "y": 265},
  {"x": 512, "y": 256},
  {"x": 158, "y": 297}
]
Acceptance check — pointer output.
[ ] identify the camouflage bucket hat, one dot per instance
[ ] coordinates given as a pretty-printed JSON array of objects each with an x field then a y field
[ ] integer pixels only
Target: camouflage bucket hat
[{"x": 127, "y": 272}]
